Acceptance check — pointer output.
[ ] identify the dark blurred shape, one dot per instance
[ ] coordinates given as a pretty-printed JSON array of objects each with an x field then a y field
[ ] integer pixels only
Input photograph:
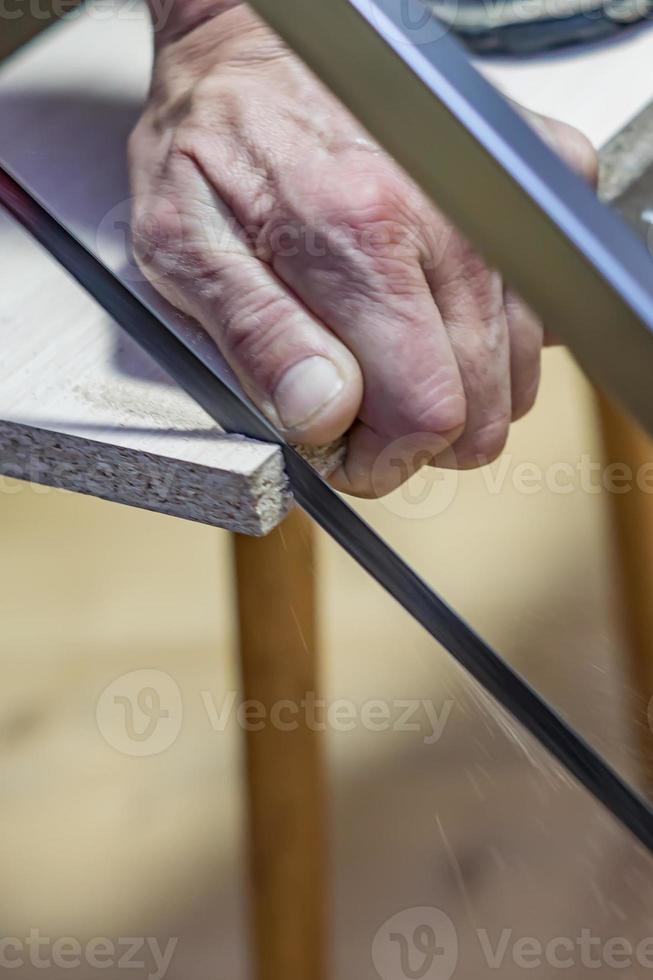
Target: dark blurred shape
[{"x": 529, "y": 26}]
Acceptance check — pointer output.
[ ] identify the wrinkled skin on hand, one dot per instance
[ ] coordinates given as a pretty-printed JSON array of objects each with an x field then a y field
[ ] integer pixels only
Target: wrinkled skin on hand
[{"x": 343, "y": 300}]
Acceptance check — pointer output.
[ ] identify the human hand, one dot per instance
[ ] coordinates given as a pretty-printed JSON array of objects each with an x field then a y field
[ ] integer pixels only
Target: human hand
[{"x": 341, "y": 297}]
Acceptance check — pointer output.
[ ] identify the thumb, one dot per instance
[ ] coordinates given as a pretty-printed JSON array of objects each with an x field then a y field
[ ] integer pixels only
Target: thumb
[{"x": 301, "y": 376}]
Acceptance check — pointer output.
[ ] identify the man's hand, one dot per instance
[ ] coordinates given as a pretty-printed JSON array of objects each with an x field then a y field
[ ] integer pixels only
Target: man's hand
[{"x": 340, "y": 296}]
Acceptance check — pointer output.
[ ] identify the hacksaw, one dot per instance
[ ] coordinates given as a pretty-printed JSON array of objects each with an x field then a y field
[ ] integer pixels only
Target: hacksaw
[{"x": 521, "y": 206}]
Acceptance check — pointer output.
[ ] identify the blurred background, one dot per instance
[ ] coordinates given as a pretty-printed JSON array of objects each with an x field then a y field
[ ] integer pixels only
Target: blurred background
[{"x": 460, "y": 813}]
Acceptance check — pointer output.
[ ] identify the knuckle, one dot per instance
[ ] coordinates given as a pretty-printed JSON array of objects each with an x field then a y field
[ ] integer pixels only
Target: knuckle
[
  {"x": 525, "y": 342},
  {"x": 253, "y": 320},
  {"x": 362, "y": 233},
  {"x": 373, "y": 210},
  {"x": 485, "y": 443},
  {"x": 213, "y": 101},
  {"x": 183, "y": 146},
  {"x": 525, "y": 400},
  {"x": 208, "y": 109},
  {"x": 257, "y": 332},
  {"x": 469, "y": 289},
  {"x": 157, "y": 233},
  {"x": 364, "y": 198},
  {"x": 442, "y": 414}
]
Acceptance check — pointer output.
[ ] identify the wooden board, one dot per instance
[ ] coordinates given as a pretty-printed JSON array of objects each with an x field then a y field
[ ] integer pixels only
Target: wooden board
[{"x": 81, "y": 407}]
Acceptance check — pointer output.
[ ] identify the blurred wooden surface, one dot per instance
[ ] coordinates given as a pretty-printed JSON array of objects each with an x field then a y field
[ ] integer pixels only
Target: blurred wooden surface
[
  {"x": 276, "y": 579},
  {"x": 631, "y": 450}
]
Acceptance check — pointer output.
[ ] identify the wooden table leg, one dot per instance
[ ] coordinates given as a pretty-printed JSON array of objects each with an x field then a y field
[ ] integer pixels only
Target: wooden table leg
[
  {"x": 632, "y": 514},
  {"x": 278, "y": 649}
]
